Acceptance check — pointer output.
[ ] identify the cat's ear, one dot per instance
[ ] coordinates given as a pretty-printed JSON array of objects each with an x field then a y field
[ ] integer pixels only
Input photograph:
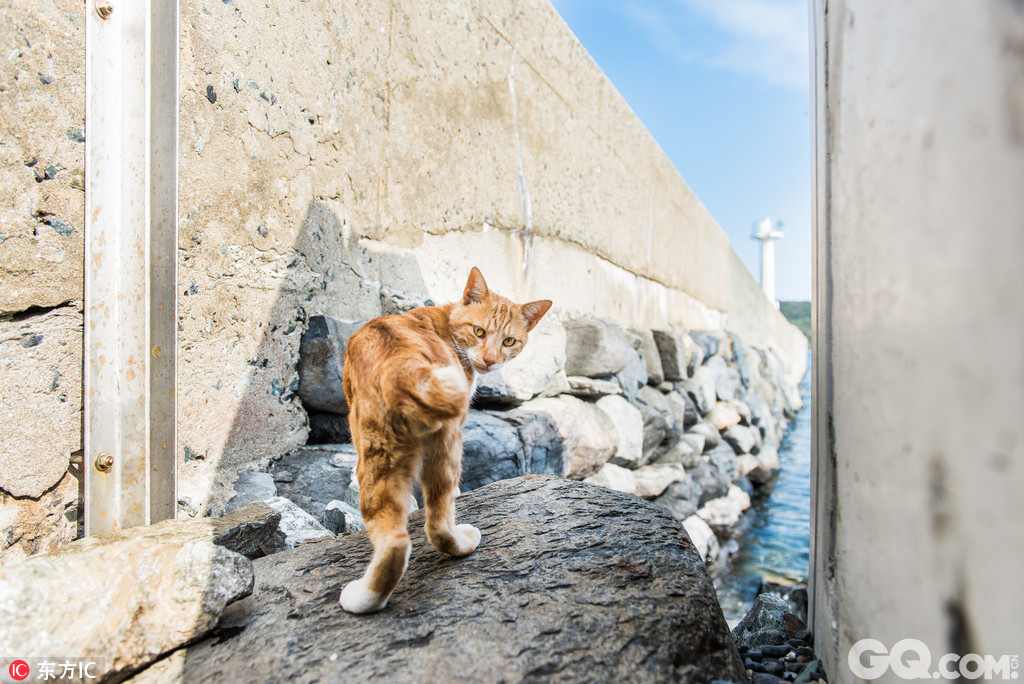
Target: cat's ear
[
  {"x": 533, "y": 311},
  {"x": 476, "y": 288}
]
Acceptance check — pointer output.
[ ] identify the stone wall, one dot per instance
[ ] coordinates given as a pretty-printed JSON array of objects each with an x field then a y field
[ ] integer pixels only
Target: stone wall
[
  {"x": 341, "y": 160},
  {"x": 42, "y": 205}
]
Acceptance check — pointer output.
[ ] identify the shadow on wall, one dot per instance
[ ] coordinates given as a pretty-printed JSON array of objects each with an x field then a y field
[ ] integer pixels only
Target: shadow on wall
[{"x": 330, "y": 272}]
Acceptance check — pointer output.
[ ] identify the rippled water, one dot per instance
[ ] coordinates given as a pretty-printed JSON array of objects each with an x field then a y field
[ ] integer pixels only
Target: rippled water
[{"x": 776, "y": 543}]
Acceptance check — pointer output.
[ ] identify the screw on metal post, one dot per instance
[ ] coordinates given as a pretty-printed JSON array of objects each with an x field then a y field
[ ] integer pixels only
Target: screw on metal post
[
  {"x": 104, "y": 462},
  {"x": 103, "y": 8}
]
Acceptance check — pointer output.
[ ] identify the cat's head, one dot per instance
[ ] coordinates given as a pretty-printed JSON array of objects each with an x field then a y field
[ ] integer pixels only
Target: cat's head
[{"x": 488, "y": 328}]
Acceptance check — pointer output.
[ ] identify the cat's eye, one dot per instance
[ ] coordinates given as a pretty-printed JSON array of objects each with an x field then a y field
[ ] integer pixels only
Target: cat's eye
[
  {"x": 478, "y": 331},
  {"x": 509, "y": 341}
]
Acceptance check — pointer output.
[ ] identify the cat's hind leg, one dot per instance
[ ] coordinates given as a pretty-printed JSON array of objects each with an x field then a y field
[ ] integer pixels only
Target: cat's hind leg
[
  {"x": 442, "y": 467},
  {"x": 384, "y": 502}
]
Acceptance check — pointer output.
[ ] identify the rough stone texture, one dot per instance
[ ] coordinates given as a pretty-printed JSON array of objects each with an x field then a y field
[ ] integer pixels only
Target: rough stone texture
[
  {"x": 343, "y": 518},
  {"x": 296, "y": 526},
  {"x": 527, "y": 375},
  {"x": 580, "y": 386},
  {"x": 723, "y": 416},
  {"x": 764, "y": 623},
  {"x": 701, "y": 388},
  {"x": 40, "y": 399},
  {"x": 313, "y": 476},
  {"x": 33, "y": 526},
  {"x": 643, "y": 342},
  {"x": 710, "y": 482},
  {"x": 629, "y": 426},
  {"x": 571, "y": 582},
  {"x": 652, "y": 480},
  {"x": 660, "y": 431},
  {"x": 491, "y": 450},
  {"x": 712, "y": 438},
  {"x": 633, "y": 375},
  {"x": 321, "y": 359},
  {"x": 723, "y": 458},
  {"x": 252, "y": 486},
  {"x": 709, "y": 342},
  {"x": 684, "y": 413},
  {"x": 588, "y": 436},
  {"x": 741, "y": 439},
  {"x": 543, "y": 445},
  {"x": 672, "y": 350},
  {"x": 595, "y": 347},
  {"x": 680, "y": 499},
  {"x": 133, "y": 594},
  {"x": 724, "y": 512},
  {"x": 614, "y": 477},
  {"x": 42, "y": 215}
]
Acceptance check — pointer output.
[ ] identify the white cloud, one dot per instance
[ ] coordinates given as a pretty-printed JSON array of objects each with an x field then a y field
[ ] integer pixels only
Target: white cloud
[{"x": 764, "y": 38}]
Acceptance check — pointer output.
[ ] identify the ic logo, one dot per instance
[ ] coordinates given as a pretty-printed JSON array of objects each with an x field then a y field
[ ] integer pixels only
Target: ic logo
[{"x": 18, "y": 670}]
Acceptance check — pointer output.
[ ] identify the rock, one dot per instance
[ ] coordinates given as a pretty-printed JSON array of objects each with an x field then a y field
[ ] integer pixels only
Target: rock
[
  {"x": 727, "y": 379},
  {"x": 723, "y": 458},
  {"x": 614, "y": 477},
  {"x": 744, "y": 484},
  {"x": 709, "y": 432},
  {"x": 751, "y": 468},
  {"x": 559, "y": 384},
  {"x": 695, "y": 440},
  {"x": 296, "y": 526},
  {"x": 660, "y": 432},
  {"x": 769, "y": 458},
  {"x": 679, "y": 498},
  {"x": 763, "y": 624},
  {"x": 595, "y": 347},
  {"x": 741, "y": 407},
  {"x": 710, "y": 482},
  {"x": 587, "y": 434},
  {"x": 542, "y": 442},
  {"x": 684, "y": 413},
  {"x": 328, "y": 428},
  {"x": 245, "y": 530},
  {"x": 491, "y": 450},
  {"x": 131, "y": 595},
  {"x": 633, "y": 375},
  {"x": 747, "y": 361},
  {"x": 652, "y": 480},
  {"x": 343, "y": 518},
  {"x": 393, "y": 302},
  {"x": 580, "y": 386},
  {"x": 684, "y": 453},
  {"x": 672, "y": 351},
  {"x": 34, "y": 526},
  {"x": 313, "y": 476},
  {"x": 701, "y": 388},
  {"x": 643, "y": 342},
  {"x": 723, "y": 416},
  {"x": 629, "y": 426},
  {"x": 704, "y": 540},
  {"x": 530, "y": 373},
  {"x": 741, "y": 439},
  {"x": 707, "y": 341},
  {"x": 811, "y": 672},
  {"x": 724, "y": 512},
  {"x": 694, "y": 354},
  {"x": 321, "y": 359},
  {"x": 250, "y": 486},
  {"x": 552, "y": 562}
]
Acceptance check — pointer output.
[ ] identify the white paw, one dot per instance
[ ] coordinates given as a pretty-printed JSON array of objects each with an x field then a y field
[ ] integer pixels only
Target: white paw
[
  {"x": 468, "y": 538},
  {"x": 357, "y": 598}
]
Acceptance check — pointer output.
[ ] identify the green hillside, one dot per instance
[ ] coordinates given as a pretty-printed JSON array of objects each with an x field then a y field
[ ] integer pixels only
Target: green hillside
[{"x": 799, "y": 314}]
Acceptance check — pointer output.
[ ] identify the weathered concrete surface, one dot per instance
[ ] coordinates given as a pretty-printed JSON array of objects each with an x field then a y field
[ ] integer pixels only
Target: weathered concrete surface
[
  {"x": 919, "y": 328},
  {"x": 134, "y": 594},
  {"x": 572, "y": 582}
]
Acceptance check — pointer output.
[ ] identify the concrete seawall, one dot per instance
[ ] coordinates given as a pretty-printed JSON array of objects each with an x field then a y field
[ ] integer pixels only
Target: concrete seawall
[{"x": 331, "y": 157}]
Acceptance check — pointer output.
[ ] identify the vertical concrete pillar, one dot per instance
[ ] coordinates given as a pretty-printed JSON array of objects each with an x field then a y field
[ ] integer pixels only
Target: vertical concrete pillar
[{"x": 918, "y": 513}]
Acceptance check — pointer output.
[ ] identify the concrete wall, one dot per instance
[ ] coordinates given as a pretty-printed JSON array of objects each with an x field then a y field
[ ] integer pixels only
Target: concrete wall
[
  {"x": 336, "y": 154},
  {"x": 42, "y": 205},
  {"x": 919, "y": 337}
]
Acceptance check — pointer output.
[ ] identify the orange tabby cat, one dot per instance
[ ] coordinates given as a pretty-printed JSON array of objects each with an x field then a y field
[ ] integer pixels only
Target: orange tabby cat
[{"x": 409, "y": 380}]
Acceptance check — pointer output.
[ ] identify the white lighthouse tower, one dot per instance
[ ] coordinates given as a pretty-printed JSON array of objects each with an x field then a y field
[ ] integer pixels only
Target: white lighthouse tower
[{"x": 767, "y": 232}]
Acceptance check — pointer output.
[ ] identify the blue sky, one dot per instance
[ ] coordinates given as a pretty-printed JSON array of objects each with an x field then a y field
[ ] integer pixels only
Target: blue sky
[{"x": 722, "y": 85}]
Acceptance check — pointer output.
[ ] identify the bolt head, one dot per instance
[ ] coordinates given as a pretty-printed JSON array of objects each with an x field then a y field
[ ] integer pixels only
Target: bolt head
[{"x": 103, "y": 8}]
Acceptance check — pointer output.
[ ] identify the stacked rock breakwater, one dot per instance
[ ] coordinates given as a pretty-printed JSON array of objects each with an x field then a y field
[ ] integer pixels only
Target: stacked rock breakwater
[{"x": 691, "y": 421}]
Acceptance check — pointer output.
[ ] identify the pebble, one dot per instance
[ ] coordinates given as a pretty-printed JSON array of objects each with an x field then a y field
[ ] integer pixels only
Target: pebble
[
  {"x": 773, "y": 651},
  {"x": 753, "y": 665},
  {"x": 764, "y": 678},
  {"x": 756, "y": 655},
  {"x": 774, "y": 667}
]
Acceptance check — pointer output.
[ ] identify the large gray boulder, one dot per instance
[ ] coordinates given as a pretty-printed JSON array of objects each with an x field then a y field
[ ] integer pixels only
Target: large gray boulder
[
  {"x": 629, "y": 427},
  {"x": 586, "y": 434},
  {"x": 296, "y": 526},
  {"x": 530, "y": 373},
  {"x": 660, "y": 431},
  {"x": 633, "y": 375},
  {"x": 680, "y": 498},
  {"x": 133, "y": 594},
  {"x": 643, "y": 342},
  {"x": 571, "y": 582},
  {"x": 321, "y": 359},
  {"x": 595, "y": 347},
  {"x": 491, "y": 450},
  {"x": 672, "y": 351},
  {"x": 543, "y": 445}
]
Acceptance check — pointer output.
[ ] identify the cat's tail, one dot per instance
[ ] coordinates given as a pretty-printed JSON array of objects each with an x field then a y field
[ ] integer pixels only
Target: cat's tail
[{"x": 426, "y": 393}]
